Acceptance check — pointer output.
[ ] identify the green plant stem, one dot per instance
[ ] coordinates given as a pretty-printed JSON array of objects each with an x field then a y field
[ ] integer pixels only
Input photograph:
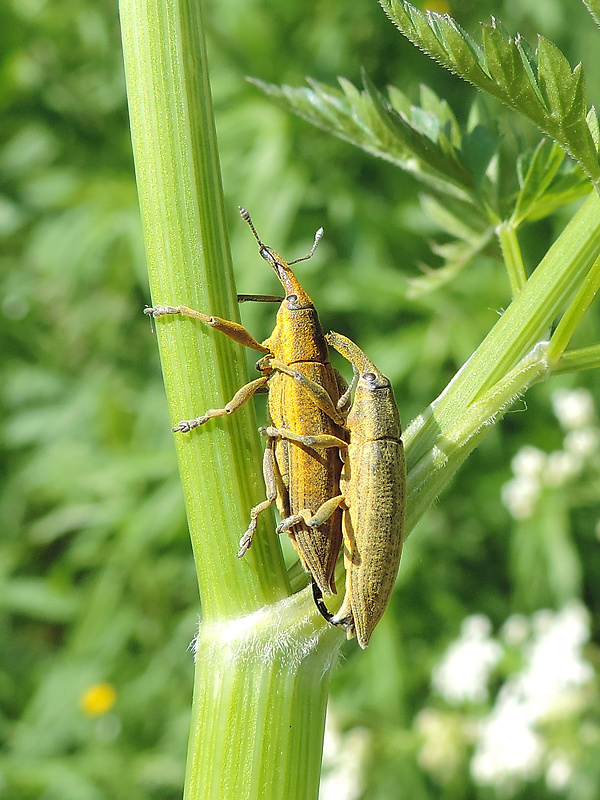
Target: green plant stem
[
  {"x": 502, "y": 367},
  {"x": 575, "y": 360},
  {"x": 179, "y": 187},
  {"x": 434, "y": 470},
  {"x": 263, "y": 739},
  {"x": 574, "y": 313},
  {"x": 513, "y": 259},
  {"x": 263, "y": 658}
]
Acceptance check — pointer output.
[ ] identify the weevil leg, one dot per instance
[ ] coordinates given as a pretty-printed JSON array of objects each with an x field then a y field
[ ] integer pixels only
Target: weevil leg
[
  {"x": 234, "y": 330},
  {"x": 240, "y": 397},
  {"x": 260, "y": 298},
  {"x": 346, "y": 621},
  {"x": 272, "y": 480},
  {"x": 319, "y": 395},
  {"x": 344, "y": 402},
  {"x": 320, "y": 603},
  {"x": 344, "y": 392},
  {"x": 311, "y": 520},
  {"x": 320, "y": 440}
]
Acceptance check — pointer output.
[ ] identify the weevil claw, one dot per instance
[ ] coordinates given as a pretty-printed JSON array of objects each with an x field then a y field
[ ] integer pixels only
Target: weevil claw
[
  {"x": 246, "y": 540},
  {"x": 187, "y": 425}
]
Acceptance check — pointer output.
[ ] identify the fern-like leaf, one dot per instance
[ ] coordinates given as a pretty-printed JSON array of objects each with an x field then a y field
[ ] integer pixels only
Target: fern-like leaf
[
  {"x": 415, "y": 139},
  {"x": 538, "y": 84}
]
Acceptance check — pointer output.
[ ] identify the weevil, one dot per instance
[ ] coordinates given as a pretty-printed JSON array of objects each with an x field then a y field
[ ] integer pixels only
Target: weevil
[
  {"x": 372, "y": 493},
  {"x": 300, "y": 479}
]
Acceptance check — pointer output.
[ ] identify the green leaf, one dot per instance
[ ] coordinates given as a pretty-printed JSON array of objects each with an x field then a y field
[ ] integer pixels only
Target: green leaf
[
  {"x": 592, "y": 121},
  {"x": 456, "y": 256},
  {"x": 541, "y": 86},
  {"x": 454, "y": 218},
  {"x": 548, "y": 182},
  {"x": 412, "y": 138},
  {"x": 593, "y": 6},
  {"x": 569, "y": 188},
  {"x": 440, "y": 109},
  {"x": 536, "y": 173}
]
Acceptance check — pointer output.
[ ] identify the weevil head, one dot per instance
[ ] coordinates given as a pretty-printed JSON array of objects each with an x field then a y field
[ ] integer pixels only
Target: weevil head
[
  {"x": 373, "y": 380},
  {"x": 295, "y": 296},
  {"x": 374, "y": 414}
]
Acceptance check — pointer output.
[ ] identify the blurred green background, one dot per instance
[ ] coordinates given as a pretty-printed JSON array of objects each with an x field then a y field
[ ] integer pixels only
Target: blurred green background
[{"x": 97, "y": 587}]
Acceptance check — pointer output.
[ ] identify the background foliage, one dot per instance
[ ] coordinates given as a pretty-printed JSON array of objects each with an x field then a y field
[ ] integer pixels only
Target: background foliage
[{"x": 96, "y": 577}]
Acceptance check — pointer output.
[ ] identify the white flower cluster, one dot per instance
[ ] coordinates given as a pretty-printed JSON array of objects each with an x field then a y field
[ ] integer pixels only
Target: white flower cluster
[
  {"x": 511, "y": 748},
  {"x": 462, "y": 675},
  {"x": 510, "y": 745},
  {"x": 343, "y": 756},
  {"x": 535, "y": 470}
]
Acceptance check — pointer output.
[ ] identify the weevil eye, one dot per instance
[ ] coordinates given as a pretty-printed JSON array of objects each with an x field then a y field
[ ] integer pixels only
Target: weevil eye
[
  {"x": 292, "y": 302},
  {"x": 374, "y": 381}
]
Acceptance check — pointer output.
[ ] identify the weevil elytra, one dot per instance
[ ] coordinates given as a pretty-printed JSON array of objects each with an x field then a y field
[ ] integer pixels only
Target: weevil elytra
[
  {"x": 372, "y": 487},
  {"x": 300, "y": 479}
]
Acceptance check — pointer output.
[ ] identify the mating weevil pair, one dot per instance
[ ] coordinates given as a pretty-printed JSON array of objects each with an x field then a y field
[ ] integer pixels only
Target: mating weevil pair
[{"x": 312, "y": 423}]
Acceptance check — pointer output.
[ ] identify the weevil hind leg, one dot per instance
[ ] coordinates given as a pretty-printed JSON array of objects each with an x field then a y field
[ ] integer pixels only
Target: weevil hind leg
[
  {"x": 311, "y": 520},
  {"x": 273, "y": 485},
  {"x": 320, "y": 566}
]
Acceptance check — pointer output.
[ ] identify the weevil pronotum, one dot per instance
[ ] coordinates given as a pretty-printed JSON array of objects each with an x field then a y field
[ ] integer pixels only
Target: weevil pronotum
[
  {"x": 300, "y": 479},
  {"x": 372, "y": 487}
]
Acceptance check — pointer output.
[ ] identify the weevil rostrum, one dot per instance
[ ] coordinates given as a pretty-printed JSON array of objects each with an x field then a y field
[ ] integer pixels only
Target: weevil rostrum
[
  {"x": 372, "y": 493},
  {"x": 301, "y": 480}
]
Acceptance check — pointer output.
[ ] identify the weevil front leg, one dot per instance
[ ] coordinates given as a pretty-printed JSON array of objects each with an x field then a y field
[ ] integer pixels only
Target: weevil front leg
[
  {"x": 240, "y": 397},
  {"x": 318, "y": 393},
  {"x": 234, "y": 330},
  {"x": 274, "y": 486},
  {"x": 345, "y": 397}
]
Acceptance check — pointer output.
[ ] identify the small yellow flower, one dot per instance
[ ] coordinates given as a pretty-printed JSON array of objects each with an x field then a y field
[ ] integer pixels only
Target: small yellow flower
[
  {"x": 439, "y": 6},
  {"x": 98, "y": 699}
]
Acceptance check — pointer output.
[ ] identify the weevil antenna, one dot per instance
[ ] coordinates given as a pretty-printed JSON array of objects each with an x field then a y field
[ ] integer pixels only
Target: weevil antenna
[
  {"x": 245, "y": 215},
  {"x": 318, "y": 237}
]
